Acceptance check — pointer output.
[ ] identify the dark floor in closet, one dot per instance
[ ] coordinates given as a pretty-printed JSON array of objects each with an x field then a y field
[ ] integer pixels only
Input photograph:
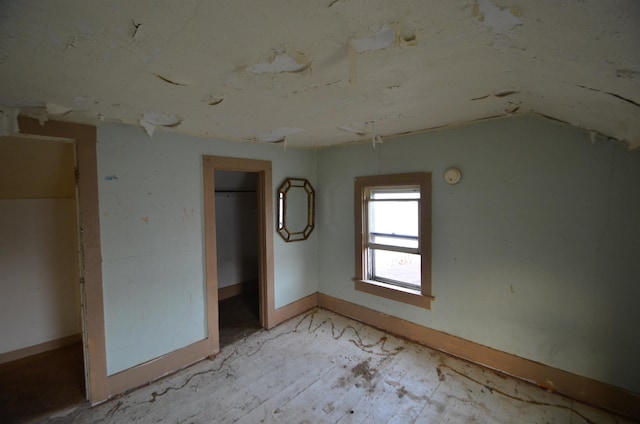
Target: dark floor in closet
[
  {"x": 239, "y": 317},
  {"x": 35, "y": 386}
]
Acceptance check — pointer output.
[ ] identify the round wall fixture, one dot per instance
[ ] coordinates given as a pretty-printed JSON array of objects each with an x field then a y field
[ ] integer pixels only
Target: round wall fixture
[{"x": 452, "y": 175}]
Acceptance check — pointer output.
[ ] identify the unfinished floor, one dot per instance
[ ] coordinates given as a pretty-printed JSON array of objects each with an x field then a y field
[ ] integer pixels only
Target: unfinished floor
[{"x": 323, "y": 368}]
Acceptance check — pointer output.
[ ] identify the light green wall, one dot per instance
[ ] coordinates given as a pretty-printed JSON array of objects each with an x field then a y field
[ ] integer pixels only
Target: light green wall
[
  {"x": 151, "y": 222},
  {"x": 535, "y": 251}
]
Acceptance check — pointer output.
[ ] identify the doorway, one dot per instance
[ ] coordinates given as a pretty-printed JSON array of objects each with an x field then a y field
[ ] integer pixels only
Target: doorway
[
  {"x": 226, "y": 176},
  {"x": 237, "y": 254},
  {"x": 41, "y": 351}
]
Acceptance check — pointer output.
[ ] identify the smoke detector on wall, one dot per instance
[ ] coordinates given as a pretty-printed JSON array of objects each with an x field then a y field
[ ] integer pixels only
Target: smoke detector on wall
[{"x": 452, "y": 175}]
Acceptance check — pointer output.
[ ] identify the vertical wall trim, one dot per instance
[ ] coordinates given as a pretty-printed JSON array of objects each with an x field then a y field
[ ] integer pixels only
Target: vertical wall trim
[
  {"x": 210, "y": 256},
  {"x": 85, "y": 137}
]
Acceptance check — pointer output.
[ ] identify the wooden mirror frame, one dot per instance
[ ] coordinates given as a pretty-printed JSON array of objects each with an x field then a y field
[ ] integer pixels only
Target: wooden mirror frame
[{"x": 285, "y": 232}]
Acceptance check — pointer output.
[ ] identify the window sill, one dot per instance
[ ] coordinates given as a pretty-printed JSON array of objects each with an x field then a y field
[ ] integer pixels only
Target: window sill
[{"x": 399, "y": 294}]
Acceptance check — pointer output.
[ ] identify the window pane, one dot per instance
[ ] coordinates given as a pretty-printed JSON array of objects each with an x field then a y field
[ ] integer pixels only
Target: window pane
[
  {"x": 402, "y": 267},
  {"x": 399, "y": 193},
  {"x": 394, "y": 241},
  {"x": 391, "y": 217}
]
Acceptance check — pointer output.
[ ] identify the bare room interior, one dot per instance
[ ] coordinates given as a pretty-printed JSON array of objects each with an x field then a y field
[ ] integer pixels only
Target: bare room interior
[{"x": 189, "y": 196}]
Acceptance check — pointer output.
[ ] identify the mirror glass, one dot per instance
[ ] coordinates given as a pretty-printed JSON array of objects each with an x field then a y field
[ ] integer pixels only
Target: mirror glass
[{"x": 296, "y": 209}]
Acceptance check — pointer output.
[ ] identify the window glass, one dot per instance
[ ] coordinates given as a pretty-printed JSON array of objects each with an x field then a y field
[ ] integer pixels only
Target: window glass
[
  {"x": 394, "y": 212},
  {"x": 393, "y": 236},
  {"x": 396, "y": 267}
]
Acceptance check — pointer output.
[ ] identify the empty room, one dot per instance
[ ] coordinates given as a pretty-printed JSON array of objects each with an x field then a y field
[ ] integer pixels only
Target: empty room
[{"x": 346, "y": 211}]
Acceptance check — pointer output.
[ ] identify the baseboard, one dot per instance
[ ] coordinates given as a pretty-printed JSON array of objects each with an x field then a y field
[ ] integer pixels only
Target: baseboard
[
  {"x": 155, "y": 369},
  {"x": 236, "y": 289},
  {"x": 184, "y": 357},
  {"x": 571, "y": 385},
  {"x": 39, "y": 348},
  {"x": 296, "y": 308}
]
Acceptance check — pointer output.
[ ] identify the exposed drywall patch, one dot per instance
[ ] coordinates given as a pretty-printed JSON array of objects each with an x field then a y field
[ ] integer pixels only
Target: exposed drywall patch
[
  {"x": 278, "y": 135},
  {"x": 281, "y": 63},
  {"x": 499, "y": 19},
  {"x": 174, "y": 79},
  {"x": 8, "y": 120},
  {"x": 382, "y": 39}
]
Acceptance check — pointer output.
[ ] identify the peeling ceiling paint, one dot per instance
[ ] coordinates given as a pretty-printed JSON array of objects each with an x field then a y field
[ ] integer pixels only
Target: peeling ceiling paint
[
  {"x": 281, "y": 63},
  {"x": 278, "y": 135},
  {"x": 332, "y": 70},
  {"x": 381, "y": 40},
  {"x": 499, "y": 19}
]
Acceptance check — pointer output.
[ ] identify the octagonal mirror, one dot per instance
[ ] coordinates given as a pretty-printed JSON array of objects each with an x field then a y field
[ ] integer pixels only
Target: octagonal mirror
[{"x": 296, "y": 209}]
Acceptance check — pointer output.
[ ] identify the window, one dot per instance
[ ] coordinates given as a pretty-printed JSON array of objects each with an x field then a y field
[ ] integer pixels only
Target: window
[{"x": 393, "y": 237}]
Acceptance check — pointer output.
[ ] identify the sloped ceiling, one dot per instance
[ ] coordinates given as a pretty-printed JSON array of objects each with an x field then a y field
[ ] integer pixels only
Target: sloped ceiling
[{"x": 322, "y": 72}]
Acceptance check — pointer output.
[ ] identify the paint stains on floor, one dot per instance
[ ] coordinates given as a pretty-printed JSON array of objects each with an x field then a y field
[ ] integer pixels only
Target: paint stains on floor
[{"x": 321, "y": 367}]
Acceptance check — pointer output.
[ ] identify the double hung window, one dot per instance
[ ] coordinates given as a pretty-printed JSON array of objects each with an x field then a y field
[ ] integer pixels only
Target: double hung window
[{"x": 393, "y": 236}]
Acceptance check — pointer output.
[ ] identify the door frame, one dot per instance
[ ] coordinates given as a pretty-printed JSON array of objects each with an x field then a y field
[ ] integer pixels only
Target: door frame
[
  {"x": 99, "y": 385},
  {"x": 262, "y": 168},
  {"x": 90, "y": 256}
]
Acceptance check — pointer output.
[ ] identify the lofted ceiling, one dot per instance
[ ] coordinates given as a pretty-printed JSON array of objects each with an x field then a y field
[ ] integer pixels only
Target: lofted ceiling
[{"x": 322, "y": 72}]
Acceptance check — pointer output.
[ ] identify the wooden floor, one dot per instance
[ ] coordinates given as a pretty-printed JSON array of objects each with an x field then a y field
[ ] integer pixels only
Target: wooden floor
[
  {"x": 324, "y": 368},
  {"x": 239, "y": 317}
]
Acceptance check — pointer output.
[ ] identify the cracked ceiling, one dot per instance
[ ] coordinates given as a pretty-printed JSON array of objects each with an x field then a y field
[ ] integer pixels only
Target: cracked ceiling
[{"x": 323, "y": 72}]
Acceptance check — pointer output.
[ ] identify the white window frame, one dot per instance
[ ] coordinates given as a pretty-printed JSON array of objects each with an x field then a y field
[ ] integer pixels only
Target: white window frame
[{"x": 418, "y": 296}]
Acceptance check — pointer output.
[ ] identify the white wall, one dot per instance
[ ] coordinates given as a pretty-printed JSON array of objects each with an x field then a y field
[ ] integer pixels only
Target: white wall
[
  {"x": 39, "y": 283},
  {"x": 236, "y": 237},
  {"x": 39, "y": 287},
  {"x": 535, "y": 251},
  {"x": 151, "y": 221}
]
